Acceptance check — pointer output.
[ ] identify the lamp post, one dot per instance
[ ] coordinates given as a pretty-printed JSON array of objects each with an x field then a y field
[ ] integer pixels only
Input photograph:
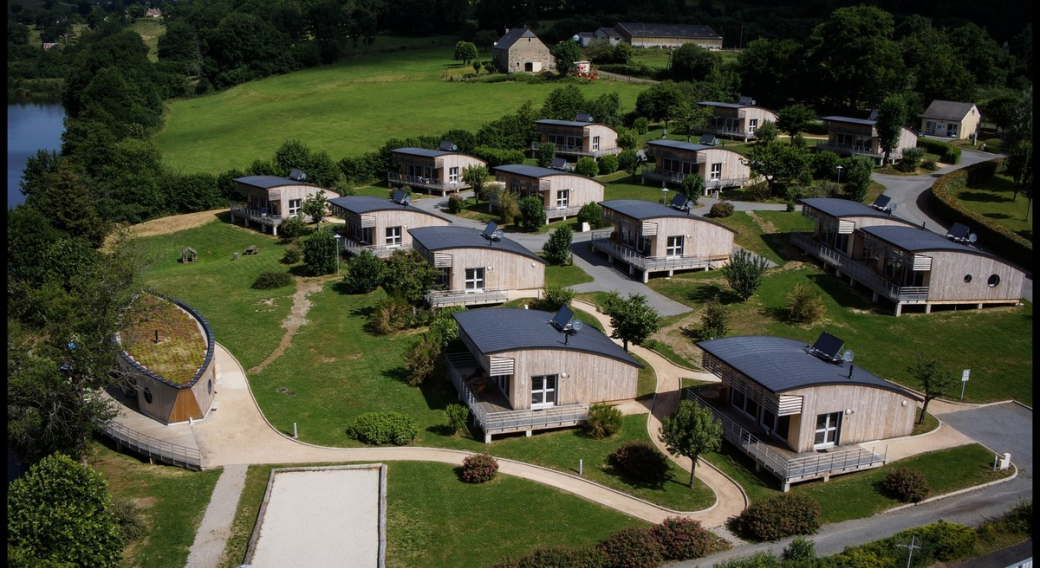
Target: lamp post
[
  {"x": 839, "y": 177},
  {"x": 339, "y": 238},
  {"x": 664, "y": 194}
]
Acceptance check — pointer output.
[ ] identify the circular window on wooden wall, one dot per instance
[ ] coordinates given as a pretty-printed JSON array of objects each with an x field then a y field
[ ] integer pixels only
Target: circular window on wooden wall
[
  {"x": 967, "y": 278},
  {"x": 147, "y": 395},
  {"x": 993, "y": 280}
]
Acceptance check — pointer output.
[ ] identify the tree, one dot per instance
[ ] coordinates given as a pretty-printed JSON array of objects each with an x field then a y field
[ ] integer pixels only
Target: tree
[
  {"x": 546, "y": 154},
  {"x": 858, "y": 171},
  {"x": 713, "y": 320},
  {"x": 566, "y": 53},
  {"x": 1019, "y": 165},
  {"x": 890, "y": 119},
  {"x": 557, "y": 249},
  {"x": 320, "y": 253},
  {"x": 562, "y": 103},
  {"x": 689, "y": 116},
  {"x": 773, "y": 69},
  {"x": 606, "y": 109},
  {"x": 476, "y": 176},
  {"x": 633, "y": 319},
  {"x": 60, "y": 514},
  {"x": 532, "y": 213},
  {"x": 465, "y": 52},
  {"x": 691, "y": 62},
  {"x": 690, "y": 431},
  {"x": 314, "y": 207},
  {"x": 794, "y": 119},
  {"x": 408, "y": 275},
  {"x": 364, "y": 273},
  {"x": 656, "y": 103},
  {"x": 586, "y": 166},
  {"x": 693, "y": 188},
  {"x": 934, "y": 380},
  {"x": 782, "y": 165},
  {"x": 629, "y": 161},
  {"x": 744, "y": 272},
  {"x": 485, "y": 39}
]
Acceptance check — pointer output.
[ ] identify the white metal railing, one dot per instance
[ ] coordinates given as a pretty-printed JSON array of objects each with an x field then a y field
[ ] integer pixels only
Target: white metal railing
[
  {"x": 602, "y": 243},
  {"x": 257, "y": 215},
  {"x": 728, "y": 131},
  {"x": 853, "y": 148},
  {"x": 168, "y": 452},
  {"x": 554, "y": 212},
  {"x": 859, "y": 271},
  {"x": 466, "y": 297},
  {"x": 353, "y": 247},
  {"x": 709, "y": 184},
  {"x": 577, "y": 150},
  {"x": 421, "y": 181},
  {"x": 785, "y": 468},
  {"x": 507, "y": 420}
]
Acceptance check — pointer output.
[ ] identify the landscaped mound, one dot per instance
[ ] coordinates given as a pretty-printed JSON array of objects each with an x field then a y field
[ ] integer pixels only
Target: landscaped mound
[{"x": 181, "y": 348}]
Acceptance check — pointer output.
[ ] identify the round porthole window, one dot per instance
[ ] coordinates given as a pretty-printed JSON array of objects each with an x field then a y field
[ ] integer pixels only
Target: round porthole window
[
  {"x": 209, "y": 386},
  {"x": 147, "y": 395},
  {"x": 967, "y": 278},
  {"x": 993, "y": 280}
]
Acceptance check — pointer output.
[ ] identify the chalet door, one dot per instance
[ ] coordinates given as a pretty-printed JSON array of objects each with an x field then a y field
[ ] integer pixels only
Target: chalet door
[
  {"x": 827, "y": 428},
  {"x": 675, "y": 246},
  {"x": 366, "y": 235},
  {"x": 474, "y": 280},
  {"x": 543, "y": 391}
]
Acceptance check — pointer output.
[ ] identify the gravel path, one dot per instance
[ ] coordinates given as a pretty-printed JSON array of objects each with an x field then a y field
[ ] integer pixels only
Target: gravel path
[{"x": 213, "y": 533}]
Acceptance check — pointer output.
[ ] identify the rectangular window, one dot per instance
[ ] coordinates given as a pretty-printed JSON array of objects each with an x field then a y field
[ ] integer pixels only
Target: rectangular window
[
  {"x": 543, "y": 391},
  {"x": 675, "y": 246},
  {"x": 716, "y": 172},
  {"x": 574, "y": 141},
  {"x": 502, "y": 382},
  {"x": 474, "y": 279},
  {"x": 595, "y": 142},
  {"x": 453, "y": 175},
  {"x": 689, "y": 168},
  {"x": 563, "y": 198},
  {"x": 827, "y": 426},
  {"x": 393, "y": 236},
  {"x": 752, "y": 125},
  {"x": 294, "y": 206},
  {"x": 737, "y": 399}
]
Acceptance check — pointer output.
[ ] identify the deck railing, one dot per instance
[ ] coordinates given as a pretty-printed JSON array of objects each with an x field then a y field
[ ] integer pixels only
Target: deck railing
[
  {"x": 847, "y": 148},
  {"x": 167, "y": 452},
  {"x": 789, "y": 469},
  {"x": 859, "y": 271},
  {"x": 467, "y": 298},
  {"x": 353, "y": 247},
  {"x": 602, "y": 243},
  {"x": 554, "y": 212},
  {"x": 425, "y": 182},
  {"x": 709, "y": 184},
  {"x": 257, "y": 215},
  {"x": 577, "y": 150}
]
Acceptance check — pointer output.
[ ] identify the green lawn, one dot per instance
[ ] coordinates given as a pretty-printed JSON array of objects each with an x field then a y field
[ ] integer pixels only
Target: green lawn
[
  {"x": 149, "y": 29},
  {"x": 346, "y": 109},
  {"x": 995, "y": 200},
  {"x": 767, "y": 232},
  {"x": 436, "y": 520}
]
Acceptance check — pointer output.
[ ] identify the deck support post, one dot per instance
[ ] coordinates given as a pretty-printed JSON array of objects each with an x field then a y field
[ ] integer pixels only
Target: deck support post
[
  {"x": 927, "y": 308},
  {"x": 646, "y": 276},
  {"x": 487, "y": 438},
  {"x": 899, "y": 308},
  {"x": 980, "y": 306},
  {"x": 671, "y": 272},
  {"x": 785, "y": 486},
  {"x": 274, "y": 230},
  {"x": 874, "y": 298},
  {"x": 528, "y": 433}
]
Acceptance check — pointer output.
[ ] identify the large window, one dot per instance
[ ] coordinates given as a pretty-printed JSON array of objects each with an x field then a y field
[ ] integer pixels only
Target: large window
[
  {"x": 563, "y": 198},
  {"x": 453, "y": 175},
  {"x": 474, "y": 279},
  {"x": 752, "y": 125},
  {"x": 393, "y": 236},
  {"x": 543, "y": 391},
  {"x": 716, "y": 172},
  {"x": 294, "y": 206},
  {"x": 675, "y": 246},
  {"x": 827, "y": 428},
  {"x": 595, "y": 142}
]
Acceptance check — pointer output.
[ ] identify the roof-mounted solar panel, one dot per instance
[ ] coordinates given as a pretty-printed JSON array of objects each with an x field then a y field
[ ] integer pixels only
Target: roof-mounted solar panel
[
  {"x": 448, "y": 146},
  {"x": 399, "y": 196},
  {"x": 296, "y": 174},
  {"x": 489, "y": 231},
  {"x": 873, "y": 115},
  {"x": 562, "y": 318},
  {"x": 680, "y": 202},
  {"x": 827, "y": 347},
  {"x": 881, "y": 202},
  {"x": 582, "y": 117},
  {"x": 559, "y": 163},
  {"x": 708, "y": 139},
  {"x": 746, "y": 101},
  {"x": 958, "y": 232}
]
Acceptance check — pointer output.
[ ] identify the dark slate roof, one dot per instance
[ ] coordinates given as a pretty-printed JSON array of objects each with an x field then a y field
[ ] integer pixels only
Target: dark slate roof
[
  {"x": 864, "y": 121},
  {"x": 947, "y": 110},
  {"x": 912, "y": 239},
  {"x": 638, "y": 29},
  {"x": 555, "y": 122},
  {"x": 680, "y": 145},
  {"x": 643, "y": 210},
  {"x": 724, "y": 105},
  {"x": 443, "y": 238},
  {"x": 269, "y": 182},
  {"x": 782, "y": 365},
  {"x": 608, "y": 32},
  {"x": 839, "y": 208},
  {"x": 362, "y": 204},
  {"x": 530, "y": 171},
  {"x": 512, "y": 36},
  {"x": 494, "y": 330},
  {"x": 422, "y": 152}
]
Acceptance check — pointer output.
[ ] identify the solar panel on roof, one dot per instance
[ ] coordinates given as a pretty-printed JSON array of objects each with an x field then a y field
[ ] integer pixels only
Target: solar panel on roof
[
  {"x": 489, "y": 231},
  {"x": 679, "y": 201},
  {"x": 881, "y": 202},
  {"x": 827, "y": 346},
  {"x": 746, "y": 101},
  {"x": 958, "y": 232},
  {"x": 448, "y": 146},
  {"x": 708, "y": 139},
  {"x": 873, "y": 115},
  {"x": 399, "y": 195},
  {"x": 562, "y": 318},
  {"x": 582, "y": 117},
  {"x": 559, "y": 163},
  {"x": 296, "y": 174}
]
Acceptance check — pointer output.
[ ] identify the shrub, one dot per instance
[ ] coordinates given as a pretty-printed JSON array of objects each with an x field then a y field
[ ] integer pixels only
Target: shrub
[
  {"x": 479, "y": 468},
  {"x": 929, "y": 165},
  {"x": 556, "y": 557},
  {"x": 385, "y": 427},
  {"x": 272, "y": 280},
  {"x": 458, "y": 417},
  {"x": 456, "y": 204},
  {"x": 764, "y": 559},
  {"x": 586, "y": 166},
  {"x": 824, "y": 165},
  {"x": 789, "y": 206},
  {"x": 641, "y": 124},
  {"x": 744, "y": 272},
  {"x": 907, "y": 485},
  {"x": 756, "y": 192},
  {"x": 806, "y": 304},
  {"x": 721, "y": 209},
  {"x": 532, "y": 213},
  {"x": 948, "y": 153},
  {"x": 292, "y": 228},
  {"x": 683, "y": 539},
  {"x": 799, "y": 549},
  {"x": 608, "y": 164},
  {"x": 713, "y": 321},
  {"x": 553, "y": 298},
  {"x": 364, "y": 273},
  {"x": 911, "y": 158},
  {"x": 640, "y": 461},
  {"x": 603, "y": 421},
  {"x": 292, "y": 254},
  {"x": 421, "y": 359},
  {"x": 779, "y": 517},
  {"x": 508, "y": 207},
  {"x": 389, "y": 315},
  {"x": 128, "y": 517},
  {"x": 557, "y": 249},
  {"x": 590, "y": 213},
  {"x": 443, "y": 326},
  {"x": 949, "y": 541},
  {"x": 634, "y": 547},
  {"x": 320, "y": 253}
]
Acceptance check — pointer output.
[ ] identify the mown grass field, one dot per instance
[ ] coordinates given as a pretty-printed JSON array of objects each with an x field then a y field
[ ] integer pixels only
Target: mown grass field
[
  {"x": 345, "y": 109},
  {"x": 995, "y": 199},
  {"x": 150, "y": 29}
]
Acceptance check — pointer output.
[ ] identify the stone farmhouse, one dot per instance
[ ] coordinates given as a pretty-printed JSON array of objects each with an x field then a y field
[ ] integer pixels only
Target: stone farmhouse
[{"x": 520, "y": 51}]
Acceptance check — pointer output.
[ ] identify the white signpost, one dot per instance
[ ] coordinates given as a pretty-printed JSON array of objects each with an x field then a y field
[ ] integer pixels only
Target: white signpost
[{"x": 964, "y": 381}]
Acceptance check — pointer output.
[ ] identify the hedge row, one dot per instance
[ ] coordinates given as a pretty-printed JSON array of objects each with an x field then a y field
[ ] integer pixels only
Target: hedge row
[
  {"x": 948, "y": 153},
  {"x": 942, "y": 200}
]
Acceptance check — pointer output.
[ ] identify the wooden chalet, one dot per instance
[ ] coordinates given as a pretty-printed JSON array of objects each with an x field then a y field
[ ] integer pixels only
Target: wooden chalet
[
  {"x": 478, "y": 267},
  {"x": 529, "y": 370},
  {"x": 269, "y": 200},
  {"x": 737, "y": 120},
  {"x": 651, "y": 237},
  {"x": 577, "y": 138},
  {"x": 903, "y": 262},
  {"x": 859, "y": 137},
  {"x": 431, "y": 170},
  {"x": 379, "y": 225},
  {"x": 802, "y": 412},
  {"x": 674, "y": 160},
  {"x": 562, "y": 192}
]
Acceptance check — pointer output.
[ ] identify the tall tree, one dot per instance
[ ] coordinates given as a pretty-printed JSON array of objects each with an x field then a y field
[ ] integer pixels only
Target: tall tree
[
  {"x": 314, "y": 207},
  {"x": 891, "y": 117},
  {"x": 465, "y": 52},
  {"x": 562, "y": 103},
  {"x": 545, "y": 155},
  {"x": 691, "y": 62},
  {"x": 408, "y": 275},
  {"x": 476, "y": 177},
  {"x": 782, "y": 165},
  {"x": 934, "y": 380},
  {"x": 633, "y": 318},
  {"x": 793, "y": 119},
  {"x": 690, "y": 431},
  {"x": 744, "y": 272},
  {"x": 566, "y": 53},
  {"x": 320, "y": 253}
]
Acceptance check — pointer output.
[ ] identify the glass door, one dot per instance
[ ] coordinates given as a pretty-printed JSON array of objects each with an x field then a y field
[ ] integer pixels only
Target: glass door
[
  {"x": 543, "y": 391},
  {"x": 827, "y": 427}
]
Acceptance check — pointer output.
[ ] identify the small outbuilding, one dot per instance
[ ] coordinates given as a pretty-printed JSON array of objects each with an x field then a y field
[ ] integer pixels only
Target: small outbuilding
[
  {"x": 951, "y": 119},
  {"x": 189, "y": 254}
]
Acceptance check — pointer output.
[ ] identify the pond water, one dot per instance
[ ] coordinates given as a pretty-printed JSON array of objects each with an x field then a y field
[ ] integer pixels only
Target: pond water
[{"x": 31, "y": 126}]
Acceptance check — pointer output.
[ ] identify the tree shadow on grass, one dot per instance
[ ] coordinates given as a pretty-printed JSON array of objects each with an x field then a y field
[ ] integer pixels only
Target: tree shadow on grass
[
  {"x": 982, "y": 197},
  {"x": 706, "y": 292},
  {"x": 780, "y": 243},
  {"x": 847, "y": 296},
  {"x": 997, "y": 215}
]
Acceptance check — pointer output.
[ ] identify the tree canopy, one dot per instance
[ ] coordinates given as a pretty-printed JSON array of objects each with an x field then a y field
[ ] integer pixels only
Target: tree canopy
[
  {"x": 633, "y": 319},
  {"x": 690, "y": 431}
]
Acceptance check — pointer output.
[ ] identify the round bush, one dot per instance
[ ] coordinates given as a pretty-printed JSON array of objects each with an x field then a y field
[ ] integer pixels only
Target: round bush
[
  {"x": 292, "y": 228},
  {"x": 590, "y": 213},
  {"x": 640, "y": 461},
  {"x": 603, "y": 421},
  {"x": 293, "y": 254},
  {"x": 272, "y": 280},
  {"x": 907, "y": 485},
  {"x": 779, "y": 517},
  {"x": 455, "y": 204},
  {"x": 683, "y": 539},
  {"x": 633, "y": 547},
  {"x": 721, "y": 209},
  {"x": 479, "y": 468},
  {"x": 608, "y": 164},
  {"x": 383, "y": 428}
]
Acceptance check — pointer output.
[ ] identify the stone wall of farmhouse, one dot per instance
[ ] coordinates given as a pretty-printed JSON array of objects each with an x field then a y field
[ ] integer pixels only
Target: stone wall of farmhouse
[{"x": 529, "y": 50}]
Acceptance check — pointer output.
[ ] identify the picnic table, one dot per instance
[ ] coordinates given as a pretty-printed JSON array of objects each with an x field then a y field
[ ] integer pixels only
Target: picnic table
[{"x": 251, "y": 249}]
